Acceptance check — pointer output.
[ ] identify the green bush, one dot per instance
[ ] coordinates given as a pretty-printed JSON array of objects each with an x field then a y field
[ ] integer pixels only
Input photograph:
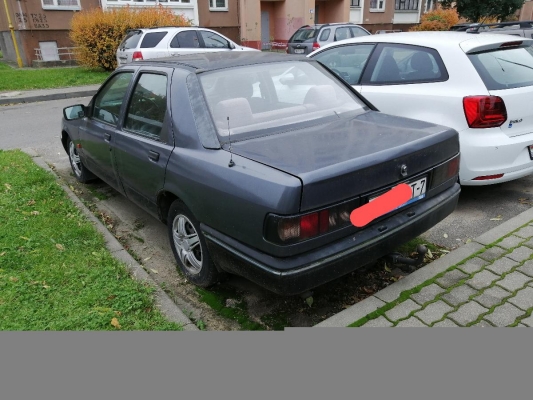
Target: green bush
[{"x": 97, "y": 34}]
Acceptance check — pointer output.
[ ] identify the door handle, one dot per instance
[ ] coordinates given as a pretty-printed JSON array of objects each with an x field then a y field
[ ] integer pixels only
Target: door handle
[
  {"x": 107, "y": 136},
  {"x": 154, "y": 156}
]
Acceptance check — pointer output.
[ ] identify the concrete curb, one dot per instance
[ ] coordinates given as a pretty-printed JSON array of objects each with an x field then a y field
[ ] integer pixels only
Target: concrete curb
[
  {"x": 169, "y": 309},
  {"x": 392, "y": 293},
  {"x": 46, "y": 97}
]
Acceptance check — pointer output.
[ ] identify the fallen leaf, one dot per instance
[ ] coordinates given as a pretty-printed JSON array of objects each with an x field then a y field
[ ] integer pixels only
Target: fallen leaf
[
  {"x": 46, "y": 286},
  {"x": 468, "y": 240},
  {"x": 115, "y": 323},
  {"x": 118, "y": 313},
  {"x": 34, "y": 213},
  {"x": 31, "y": 202},
  {"x": 154, "y": 271},
  {"x": 2, "y": 254},
  {"x": 147, "y": 258},
  {"x": 367, "y": 290},
  {"x": 387, "y": 269},
  {"x": 8, "y": 186},
  {"x": 498, "y": 218},
  {"x": 60, "y": 247},
  {"x": 445, "y": 236},
  {"x": 13, "y": 279},
  {"x": 429, "y": 254},
  {"x": 24, "y": 237},
  {"x": 111, "y": 297},
  {"x": 309, "y": 301}
]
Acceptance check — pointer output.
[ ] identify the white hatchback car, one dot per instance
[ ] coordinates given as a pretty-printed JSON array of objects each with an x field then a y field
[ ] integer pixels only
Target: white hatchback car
[
  {"x": 142, "y": 44},
  {"x": 480, "y": 85}
]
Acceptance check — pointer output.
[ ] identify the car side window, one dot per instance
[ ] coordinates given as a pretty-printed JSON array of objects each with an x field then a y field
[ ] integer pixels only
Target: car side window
[
  {"x": 109, "y": 100},
  {"x": 356, "y": 31},
  {"x": 152, "y": 39},
  {"x": 148, "y": 106},
  {"x": 214, "y": 41},
  {"x": 324, "y": 35},
  {"x": 401, "y": 64},
  {"x": 185, "y": 39},
  {"x": 347, "y": 61},
  {"x": 342, "y": 33}
]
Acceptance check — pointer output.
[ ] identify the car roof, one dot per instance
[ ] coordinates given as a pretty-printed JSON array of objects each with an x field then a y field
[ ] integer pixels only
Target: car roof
[
  {"x": 218, "y": 60},
  {"x": 434, "y": 39}
]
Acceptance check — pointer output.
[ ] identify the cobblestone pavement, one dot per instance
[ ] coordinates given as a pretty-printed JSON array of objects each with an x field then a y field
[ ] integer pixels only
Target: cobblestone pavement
[{"x": 490, "y": 284}]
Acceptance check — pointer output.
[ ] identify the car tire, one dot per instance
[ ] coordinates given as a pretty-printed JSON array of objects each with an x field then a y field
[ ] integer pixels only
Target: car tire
[
  {"x": 80, "y": 171},
  {"x": 189, "y": 246}
]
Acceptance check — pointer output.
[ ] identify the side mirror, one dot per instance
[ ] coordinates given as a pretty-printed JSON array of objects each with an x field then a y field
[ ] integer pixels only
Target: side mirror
[
  {"x": 74, "y": 112},
  {"x": 231, "y": 46}
]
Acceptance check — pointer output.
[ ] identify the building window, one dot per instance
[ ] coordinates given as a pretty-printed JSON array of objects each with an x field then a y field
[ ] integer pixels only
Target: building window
[
  {"x": 409, "y": 5},
  {"x": 355, "y": 3},
  {"x": 150, "y": 1},
  {"x": 377, "y": 5},
  {"x": 218, "y": 5},
  {"x": 430, "y": 5},
  {"x": 61, "y": 4}
]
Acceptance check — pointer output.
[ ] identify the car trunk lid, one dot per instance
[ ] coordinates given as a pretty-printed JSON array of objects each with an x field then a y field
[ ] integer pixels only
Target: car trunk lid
[
  {"x": 506, "y": 68},
  {"x": 340, "y": 160}
]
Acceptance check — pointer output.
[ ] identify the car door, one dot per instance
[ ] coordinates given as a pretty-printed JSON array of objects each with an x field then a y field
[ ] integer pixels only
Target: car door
[
  {"x": 97, "y": 133},
  {"x": 347, "y": 61},
  {"x": 408, "y": 81},
  {"x": 211, "y": 41},
  {"x": 144, "y": 145},
  {"x": 185, "y": 42}
]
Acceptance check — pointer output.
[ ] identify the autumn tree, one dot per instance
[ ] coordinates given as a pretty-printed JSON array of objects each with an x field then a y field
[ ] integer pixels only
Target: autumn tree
[{"x": 480, "y": 10}]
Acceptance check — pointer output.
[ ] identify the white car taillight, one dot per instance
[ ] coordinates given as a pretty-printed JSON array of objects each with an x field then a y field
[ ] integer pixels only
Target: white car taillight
[
  {"x": 137, "y": 56},
  {"x": 484, "y": 111}
]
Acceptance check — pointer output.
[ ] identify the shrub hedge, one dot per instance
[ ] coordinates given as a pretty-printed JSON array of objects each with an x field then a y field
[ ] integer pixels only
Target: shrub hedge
[
  {"x": 97, "y": 34},
  {"x": 438, "y": 20}
]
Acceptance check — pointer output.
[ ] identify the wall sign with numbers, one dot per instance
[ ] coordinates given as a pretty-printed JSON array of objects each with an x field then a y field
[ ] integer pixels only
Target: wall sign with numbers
[{"x": 38, "y": 20}]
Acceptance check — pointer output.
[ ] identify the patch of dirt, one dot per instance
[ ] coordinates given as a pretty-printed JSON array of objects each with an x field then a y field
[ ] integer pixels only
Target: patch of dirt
[{"x": 146, "y": 239}]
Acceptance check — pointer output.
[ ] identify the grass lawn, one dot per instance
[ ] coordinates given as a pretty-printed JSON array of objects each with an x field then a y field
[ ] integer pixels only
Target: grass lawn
[
  {"x": 47, "y": 78},
  {"x": 55, "y": 271}
]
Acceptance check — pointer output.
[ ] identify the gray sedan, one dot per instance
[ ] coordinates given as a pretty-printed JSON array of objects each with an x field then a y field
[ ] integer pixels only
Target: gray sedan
[{"x": 263, "y": 165}]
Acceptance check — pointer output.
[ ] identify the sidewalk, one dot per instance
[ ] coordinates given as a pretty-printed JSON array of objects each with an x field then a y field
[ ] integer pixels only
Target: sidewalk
[
  {"x": 30, "y": 96},
  {"x": 487, "y": 282}
]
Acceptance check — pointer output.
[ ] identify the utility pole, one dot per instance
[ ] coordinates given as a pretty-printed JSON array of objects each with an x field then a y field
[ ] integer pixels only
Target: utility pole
[{"x": 12, "y": 29}]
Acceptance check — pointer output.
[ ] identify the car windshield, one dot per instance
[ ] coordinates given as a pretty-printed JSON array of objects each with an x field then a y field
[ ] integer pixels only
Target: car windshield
[
  {"x": 304, "y": 34},
  {"x": 505, "y": 69},
  {"x": 257, "y": 100}
]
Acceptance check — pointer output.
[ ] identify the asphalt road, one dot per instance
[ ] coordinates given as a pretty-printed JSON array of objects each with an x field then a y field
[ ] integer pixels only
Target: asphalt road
[{"x": 37, "y": 125}]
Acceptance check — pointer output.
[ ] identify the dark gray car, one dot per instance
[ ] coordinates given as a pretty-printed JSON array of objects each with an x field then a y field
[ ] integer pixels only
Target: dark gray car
[{"x": 256, "y": 163}]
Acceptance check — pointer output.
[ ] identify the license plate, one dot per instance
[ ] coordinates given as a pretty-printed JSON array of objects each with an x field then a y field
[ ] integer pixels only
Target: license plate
[
  {"x": 299, "y": 51},
  {"x": 418, "y": 190}
]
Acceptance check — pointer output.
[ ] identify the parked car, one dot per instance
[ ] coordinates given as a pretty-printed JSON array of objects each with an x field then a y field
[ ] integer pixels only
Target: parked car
[
  {"x": 251, "y": 177},
  {"x": 516, "y": 28},
  {"x": 480, "y": 85},
  {"x": 143, "y": 44},
  {"x": 311, "y": 37},
  {"x": 463, "y": 26}
]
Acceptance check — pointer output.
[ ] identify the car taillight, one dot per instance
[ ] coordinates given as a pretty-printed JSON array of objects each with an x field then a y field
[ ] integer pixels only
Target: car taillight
[
  {"x": 511, "y": 44},
  {"x": 316, "y": 45},
  {"x": 137, "y": 56},
  {"x": 445, "y": 171},
  {"x": 287, "y": 230},
  {"x": 484, "y": 111}
]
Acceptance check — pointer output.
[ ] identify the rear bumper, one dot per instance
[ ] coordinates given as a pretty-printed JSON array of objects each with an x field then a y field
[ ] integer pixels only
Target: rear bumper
[
  {"x": 297, "y": 274},
  {"x": 491, "y": 152}
]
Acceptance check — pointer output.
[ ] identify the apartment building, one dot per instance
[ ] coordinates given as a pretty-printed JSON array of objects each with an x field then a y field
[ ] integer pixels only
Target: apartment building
[{"x": 39, "y": 24}]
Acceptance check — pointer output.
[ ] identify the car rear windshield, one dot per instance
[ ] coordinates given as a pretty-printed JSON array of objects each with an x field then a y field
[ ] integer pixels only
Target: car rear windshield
[
  {"x": 257, "y": 100},
  {"x": 152, "y": 39},
  {"x": 506, "y": 68},
  {"x": 131, "y": 40},
  {"x": 303, "y": 34}
]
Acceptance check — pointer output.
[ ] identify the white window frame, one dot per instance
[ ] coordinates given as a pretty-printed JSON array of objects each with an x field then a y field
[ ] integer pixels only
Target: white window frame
[
  {"x": 381, "y": 5},
  {"x": 213, "y": 6},
  {"x": 355, "y": 6},
  {"x": 410, "y": 4},
  {"x": 55, "y": 6}
]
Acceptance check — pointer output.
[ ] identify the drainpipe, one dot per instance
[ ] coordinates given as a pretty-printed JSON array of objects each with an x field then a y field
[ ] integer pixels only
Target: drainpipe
[{"x": 12, "y": 29}]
